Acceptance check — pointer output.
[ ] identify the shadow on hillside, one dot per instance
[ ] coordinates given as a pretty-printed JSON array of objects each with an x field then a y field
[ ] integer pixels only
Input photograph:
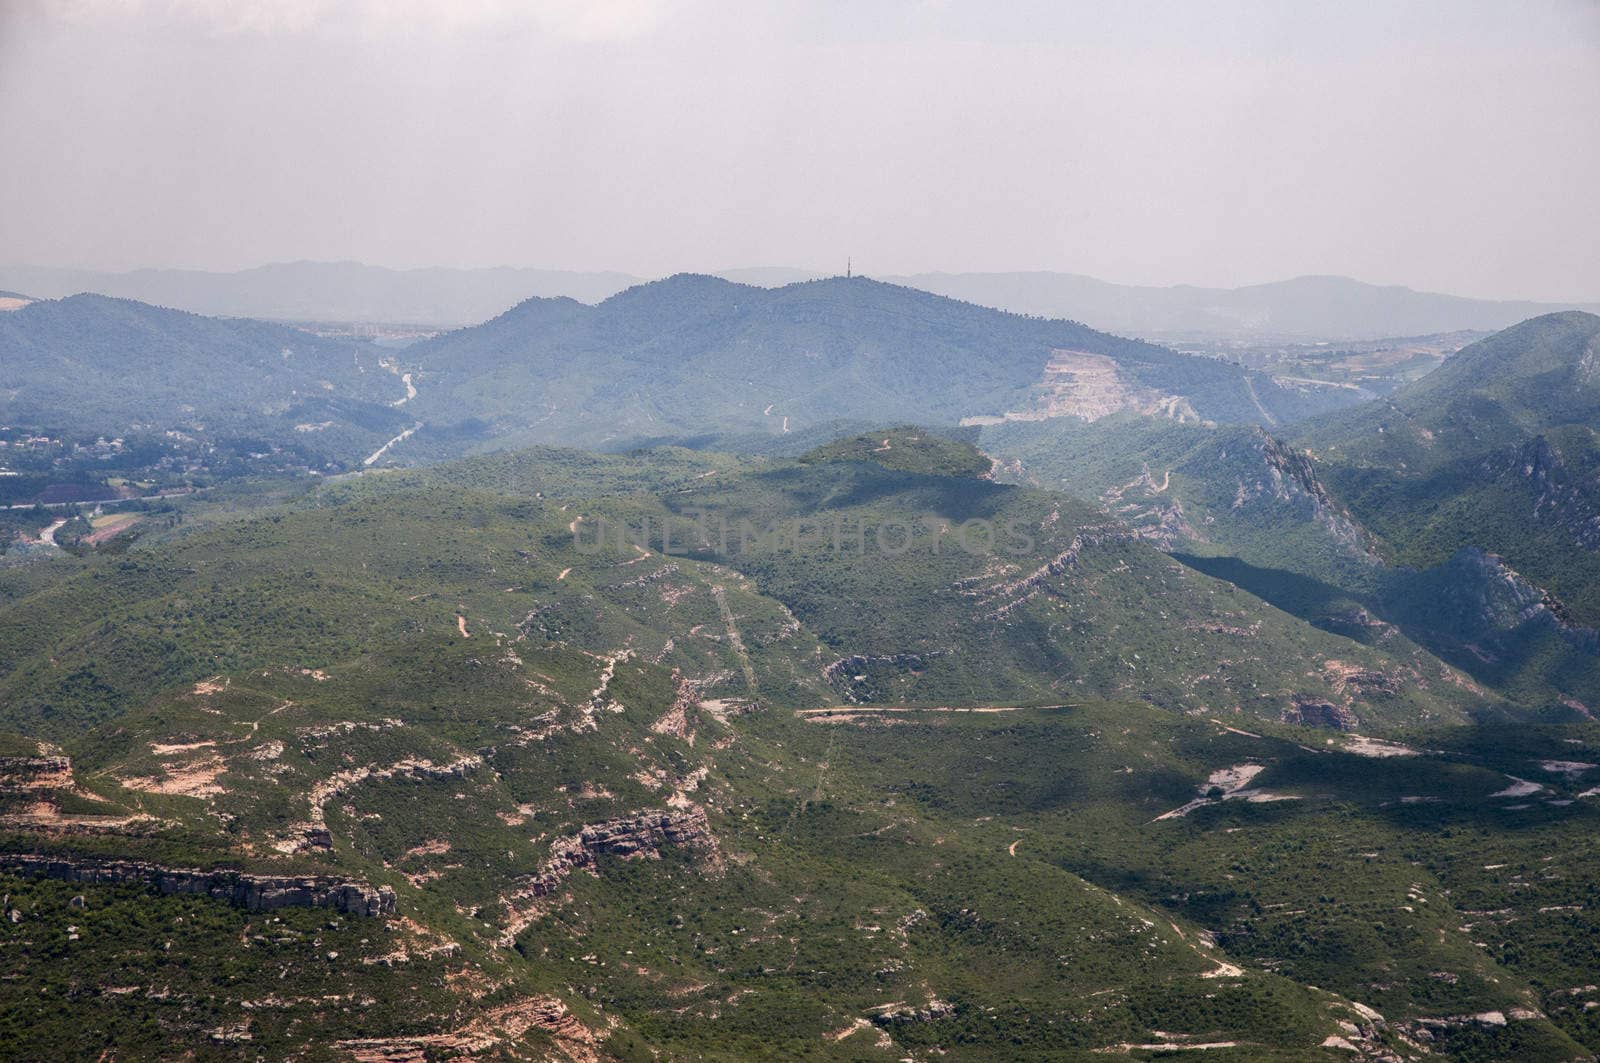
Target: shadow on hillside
[
  {"x": 1322, "y": 605},
  {"x": 1504, "y": 660}
]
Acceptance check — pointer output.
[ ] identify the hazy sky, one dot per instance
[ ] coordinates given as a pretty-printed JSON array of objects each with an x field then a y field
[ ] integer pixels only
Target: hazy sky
[{"x": 1451, "y": 145}]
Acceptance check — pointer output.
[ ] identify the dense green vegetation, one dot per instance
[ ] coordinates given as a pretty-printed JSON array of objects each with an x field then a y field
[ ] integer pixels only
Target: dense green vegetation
[
  {"x": 89, "y": 364},
  {"x": 851, "y": 580},
  {"x": 1495, "y": 450},
  {"x": 697, "y": 359},
  {"x": 872, "y": 747},
  {"x": 907, "y": 449},
  {"x": 1457, "y": 514},
  {"x": 440, "y": 670}
]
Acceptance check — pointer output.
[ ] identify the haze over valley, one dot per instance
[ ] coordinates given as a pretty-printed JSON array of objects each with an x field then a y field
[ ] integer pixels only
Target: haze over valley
[{"x": 1300, "y": 309}]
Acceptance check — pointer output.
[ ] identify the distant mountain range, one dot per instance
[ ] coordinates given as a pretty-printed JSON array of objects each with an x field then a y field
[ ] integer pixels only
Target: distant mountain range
[
  {"x": 1321, "y": 308},
  {"x": 93, "y": 364},
  {"x": 327, "y": 291},
  {"x": 692, "y": 359},
  {"x": 1495, "y": 452},
  {"x": 698, "y": 358}
]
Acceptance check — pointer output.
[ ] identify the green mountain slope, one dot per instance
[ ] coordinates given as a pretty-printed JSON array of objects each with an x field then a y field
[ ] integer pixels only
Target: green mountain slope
[
  {"x": 1498, "y": 453},
  {"x": 848, "y": 580},
  {"x": 1495, "y": 451},
  {"x": 1226, "y": 490},
  {"x": 693, "y": 357},
  {"x": 1458, "y": 515},
  {"x": 1499, "y": 392},
  {"x": 92, "y": 364},
  {"x": 630, "y": 806},
  {"x": 569, "y": 882},
  {"x": 645, "y": 871}
]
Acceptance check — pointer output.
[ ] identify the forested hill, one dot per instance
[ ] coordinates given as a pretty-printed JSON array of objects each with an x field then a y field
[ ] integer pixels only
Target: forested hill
[
  {"x": 1534, "y": 376},
  {"x": 695, "y": 355},
  {"x": 1496, "y": 450},
  {"x": 89, "y": 363}
]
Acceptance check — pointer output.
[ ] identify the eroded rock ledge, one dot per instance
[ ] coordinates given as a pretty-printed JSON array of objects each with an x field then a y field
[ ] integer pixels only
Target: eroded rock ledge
[
  {"x": 35, "y": 773},
  {"x": 242, "y": 889},
  {"x": 637, "y": 836},
  {"x": 640, "y": 836}
]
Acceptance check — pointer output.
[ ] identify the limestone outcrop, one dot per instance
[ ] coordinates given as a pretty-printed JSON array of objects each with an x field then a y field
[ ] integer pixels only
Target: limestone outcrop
[
  {"x": 35, "y": 773},
  {"x": 639, "y": 836},
  {"x": 1314, "y": 712},
  {"x": 242, "y": 889}
]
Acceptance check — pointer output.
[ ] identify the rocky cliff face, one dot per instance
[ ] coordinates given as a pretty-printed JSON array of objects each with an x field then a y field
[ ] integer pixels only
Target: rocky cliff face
[
  {"x": 1477, "y": 597},
  {"x": 255, "y": 892},
  {"x": 640, "y": 836},
  {"x": 1560, "y": 483},
  {"x": 1291, "y": 479},
  {"x": 505, "y": 1025},
  {"x": 1314, "y": 712},
  {"x": 35, "y": 773},
  {"x": 637, "y": 836}
]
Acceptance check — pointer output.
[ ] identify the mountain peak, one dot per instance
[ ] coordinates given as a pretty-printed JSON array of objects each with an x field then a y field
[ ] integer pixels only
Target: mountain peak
[
  {"x": 1559, "y": 342},
  {"x": 906, "y": 448},
  {"x": 1539, "y": 374}
]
